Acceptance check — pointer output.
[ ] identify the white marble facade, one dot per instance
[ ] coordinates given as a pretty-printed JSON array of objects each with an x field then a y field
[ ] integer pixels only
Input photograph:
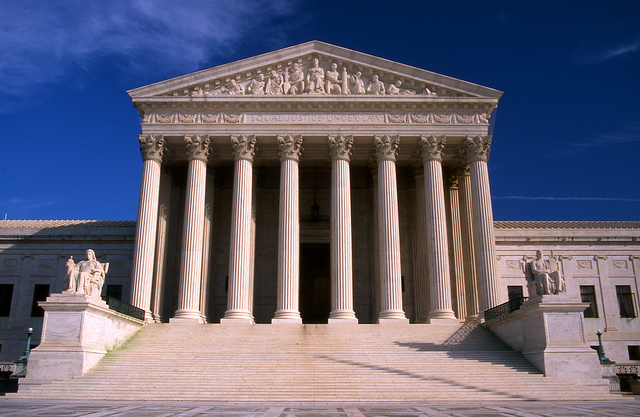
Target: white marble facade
[{"x": 319, "y": 185}]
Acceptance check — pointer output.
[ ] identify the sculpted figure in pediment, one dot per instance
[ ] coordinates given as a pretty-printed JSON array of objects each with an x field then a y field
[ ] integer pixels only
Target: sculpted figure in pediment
[
  {"x": 197, "y": 91},
  {"x": 274, "y": 84},
  {"x": 376, "y": 86},
  {"x": 256, "y": 86},
  {"x": 315, "y": 78},
  {"x": 334, "y": 82},
  {"x": 235, "y": 89},
  {"x": 394, "y": 90},
  {"x": 429, "y": 92},
  {"x": 356, "y": 85},
  {"x": 294, "y": 81}
]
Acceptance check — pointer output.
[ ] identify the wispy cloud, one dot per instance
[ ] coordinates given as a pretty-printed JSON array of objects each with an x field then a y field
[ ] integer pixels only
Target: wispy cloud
[
  {"x": 630, "y": 134},
  {"x": 523, "y": 197},
  {"x": 604, "y": 54},
  {"x": 40, "y": 41}
]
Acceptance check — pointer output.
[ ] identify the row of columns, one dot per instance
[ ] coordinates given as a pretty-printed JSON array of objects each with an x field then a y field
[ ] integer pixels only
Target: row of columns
[{"x": 431, "y": 233}]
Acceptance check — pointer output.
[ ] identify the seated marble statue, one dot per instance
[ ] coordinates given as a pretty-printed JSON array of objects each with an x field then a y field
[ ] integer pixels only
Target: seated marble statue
[
  {"x": 542, "y": 279},
  {"x": 256, "y": 86},
  {"x": 376, "y": 86},
  {"x": 315, "y": 78},
  {"x": 86, "y": 277},
  {"x": 294, "y": 80},
  {"x": 356, "y": 85},
  {"x": 274, "y": 84},
  {"x": 333, "y": 80}
]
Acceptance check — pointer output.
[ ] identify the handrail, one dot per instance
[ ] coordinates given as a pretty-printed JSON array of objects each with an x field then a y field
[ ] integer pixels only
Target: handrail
[
  {"x": 124, "y": 308},
  {"x": 504, "y": 309}
]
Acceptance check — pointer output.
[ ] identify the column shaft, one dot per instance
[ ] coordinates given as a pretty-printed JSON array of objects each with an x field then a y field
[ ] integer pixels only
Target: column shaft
[
  {"x": 457, "y": 269},
  {"x": 341, "y": 240},
  {"x": 193, "y": 232},
  {"x": 389, "y": 232},
  {"x": 420, "y": 236},
  {"x": 468, "y": 254},
  {"x": 238, "y": 308},
  {"x": 437, "y": 244},
  {"x": 146, "y": 226},
  {"x": 484, "y": 237},
  {"x": 289, "y": 232}
]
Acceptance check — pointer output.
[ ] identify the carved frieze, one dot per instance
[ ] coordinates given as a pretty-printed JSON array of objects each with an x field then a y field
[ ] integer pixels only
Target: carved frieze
[
  {"x": 620, "y": 264},
  {"x": 584, "y": 264}
]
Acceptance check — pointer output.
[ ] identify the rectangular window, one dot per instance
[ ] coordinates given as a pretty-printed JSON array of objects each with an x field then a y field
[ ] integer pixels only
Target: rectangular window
[
  {"x": 6, "y": 295},
  {"x": 40, "y": 293},
  {"x": 625, "y": 301},
  {"x": 114, "y": 291},
  {"x": 588, "y": 294},
  {"x": 515, "y": 292},
  {"x": 634, "y": 353}
]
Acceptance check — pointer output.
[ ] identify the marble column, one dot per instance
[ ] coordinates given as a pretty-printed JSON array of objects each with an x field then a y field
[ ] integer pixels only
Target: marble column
[
  {"x": 340, "y": 148},
  {"x": 468, "y": 254},
  {"x": 386, "y": 149},
  {"x": 420, "y": 242},
  {"x": 484, "y": 237},
  {"x": 431, "y": 149},
  {"x": 288, "y": 276},
  {"x": 151, "y": 148},
  {"x": 240, "y": 265},
  {"x": 455, "y": 244},
  {"x": 193, "y": 231},
  {"x": 206, "y": 249},
  {"x": 159, "y": 274}
]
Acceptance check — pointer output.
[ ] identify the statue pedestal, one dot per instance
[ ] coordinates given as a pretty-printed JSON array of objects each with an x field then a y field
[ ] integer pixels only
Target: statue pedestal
[
  {"x": 77, "y": 331},
  {"x": 549, "y": 331}
]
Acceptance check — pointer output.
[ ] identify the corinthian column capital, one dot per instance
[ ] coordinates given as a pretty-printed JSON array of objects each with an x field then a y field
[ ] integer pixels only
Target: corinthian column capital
[
  {"x": 290, "y": 147},
  {"x": 340, "y": 147},
  {"x": 151, "y": 147},
  {"x": 476, "y": 148},
  {"x": 431, "y": 148},
  {"x": 386, "y": 147},
  {"x": 244, "y": 147},
  {"x": 197, "y": 147}
]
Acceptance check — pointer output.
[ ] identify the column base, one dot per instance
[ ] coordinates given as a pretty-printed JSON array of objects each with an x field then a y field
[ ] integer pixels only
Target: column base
[
  {"x": 392, "y": 316},
  {"x": 442, "y": 316},
  {"x": 186, "y": 320},
  {"x": 341, "y": 315},
  {"x": 237, "y": 316},
  {"x": 287, "y": 316},
  {"x": 185, "y": 316},
  {"x": 393, "y": 321}
]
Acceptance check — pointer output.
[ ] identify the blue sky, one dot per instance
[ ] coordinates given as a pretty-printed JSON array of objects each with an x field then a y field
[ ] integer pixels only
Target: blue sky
[{"x": 567, "y": 131}]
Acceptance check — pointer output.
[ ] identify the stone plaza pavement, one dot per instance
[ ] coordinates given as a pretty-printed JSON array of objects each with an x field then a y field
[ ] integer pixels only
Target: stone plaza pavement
[{"x": 35, "y": 408}]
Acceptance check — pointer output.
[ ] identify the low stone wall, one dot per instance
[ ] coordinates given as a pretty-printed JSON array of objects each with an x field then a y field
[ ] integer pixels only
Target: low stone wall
[
  {"x": 78, "y": 330},
  {"x": 549, "y": 331}
]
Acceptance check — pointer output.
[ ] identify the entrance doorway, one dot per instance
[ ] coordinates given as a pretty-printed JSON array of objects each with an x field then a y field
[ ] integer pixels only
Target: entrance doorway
[{"x": 315, "y": 282}]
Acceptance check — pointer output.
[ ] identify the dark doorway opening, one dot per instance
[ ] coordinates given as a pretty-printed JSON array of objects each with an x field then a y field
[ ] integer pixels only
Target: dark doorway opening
[{"x": 315, "y": 282}]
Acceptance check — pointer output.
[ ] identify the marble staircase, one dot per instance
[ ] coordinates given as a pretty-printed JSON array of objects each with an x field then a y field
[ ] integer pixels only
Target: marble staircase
[{"x": 291, "y": 362}]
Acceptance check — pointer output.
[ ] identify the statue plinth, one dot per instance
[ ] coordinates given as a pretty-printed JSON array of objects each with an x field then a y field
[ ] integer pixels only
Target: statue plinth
[{"x": 77, "y": 331}]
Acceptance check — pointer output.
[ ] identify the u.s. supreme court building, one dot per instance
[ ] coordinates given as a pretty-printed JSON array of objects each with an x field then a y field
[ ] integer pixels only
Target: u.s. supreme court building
[{"x": 318, "y": 185}]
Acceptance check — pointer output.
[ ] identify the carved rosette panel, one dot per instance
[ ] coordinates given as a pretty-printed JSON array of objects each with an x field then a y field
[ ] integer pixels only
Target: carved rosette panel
[
  {"x": 197, "y": 147},
  {"x": 477, "y": 148},
  {"x": 244, "y": 147},
  {"x": 437, "y": 118},
  {"x": 430, "y": 148},
  {"x": 194, "y": 118},
  {"x": 340, "y": 147},
  {"x": 386, "y": 147},
  {"x": 151, "y": 147},
  {"x": 290, "y": 147}
]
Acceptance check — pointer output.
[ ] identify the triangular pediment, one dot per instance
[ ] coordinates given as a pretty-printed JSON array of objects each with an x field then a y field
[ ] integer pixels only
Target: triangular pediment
[{"x": 313, "y": 70}]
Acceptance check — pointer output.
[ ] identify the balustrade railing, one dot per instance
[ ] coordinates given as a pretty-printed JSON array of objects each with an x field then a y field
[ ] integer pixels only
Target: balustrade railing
[
  {"x": 124, "y": 308},
  {"x": 504, "y": 309}
]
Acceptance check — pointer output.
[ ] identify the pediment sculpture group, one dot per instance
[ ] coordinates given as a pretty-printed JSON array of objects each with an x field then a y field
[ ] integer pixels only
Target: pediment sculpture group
[
  {"x": 86, "y": 277},
  {"x": 293, "y": 80}
]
